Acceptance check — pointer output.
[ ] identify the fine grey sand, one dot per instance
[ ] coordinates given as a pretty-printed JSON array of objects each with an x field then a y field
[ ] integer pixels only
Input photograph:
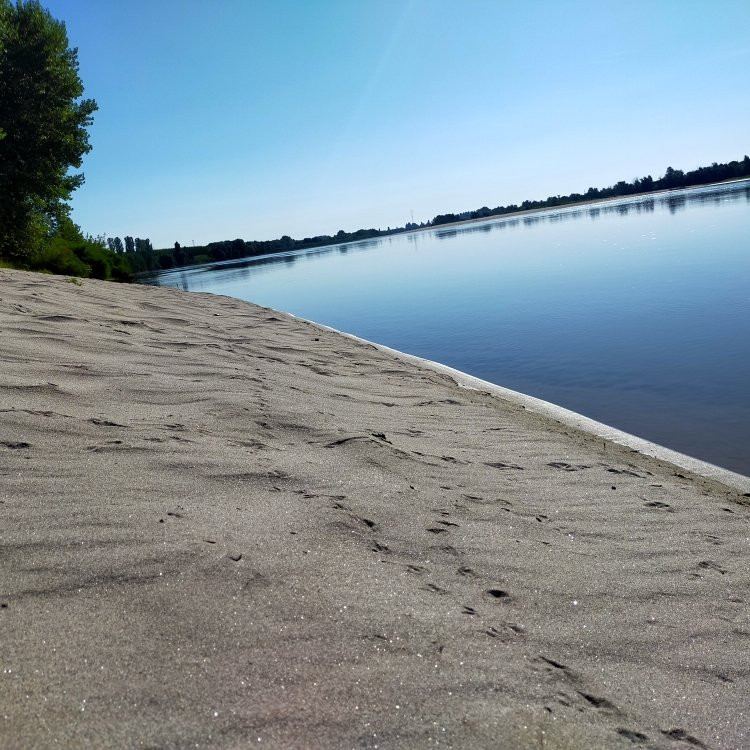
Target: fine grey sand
[{"x": 222, "y": 527}]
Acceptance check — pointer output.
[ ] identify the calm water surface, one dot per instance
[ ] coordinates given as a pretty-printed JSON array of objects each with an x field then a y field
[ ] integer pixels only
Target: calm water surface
[{"x": 634, "y": 312}]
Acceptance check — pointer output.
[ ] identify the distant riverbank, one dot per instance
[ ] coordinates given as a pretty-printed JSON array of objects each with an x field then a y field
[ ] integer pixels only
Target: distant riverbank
[{"x": 182, "y": 256}]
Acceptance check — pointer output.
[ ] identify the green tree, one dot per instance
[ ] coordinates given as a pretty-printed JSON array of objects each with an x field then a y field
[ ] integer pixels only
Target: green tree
[
  {"x": 143, "y": 246},
  {"x": 673, "y": 178},
  {"x": 44, "y": 120}
]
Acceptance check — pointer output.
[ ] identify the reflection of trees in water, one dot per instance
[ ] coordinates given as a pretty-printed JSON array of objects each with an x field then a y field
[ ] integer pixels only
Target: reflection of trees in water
[
  {"x": 364, "y": 244},
  {"x": 444, "y": 234},
  {"x": 716, "y": 194},
  {"x": 235, "y": 270},
  {"x": 565, "y": 215},
  {"x": 489, "y": 226},
  {"x": 482, "y": 228},
  {"x": 646, "y": 206},
  {"x": 675, "y": 203}
]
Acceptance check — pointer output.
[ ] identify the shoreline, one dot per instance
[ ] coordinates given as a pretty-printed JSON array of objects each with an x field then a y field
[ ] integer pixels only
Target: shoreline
[
  {"x": 222, "y": 525},
  {"x": 565, "y": 416}
]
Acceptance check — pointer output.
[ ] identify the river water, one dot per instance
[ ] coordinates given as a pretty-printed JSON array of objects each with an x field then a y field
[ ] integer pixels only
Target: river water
[{"x": 635, "y": 312}]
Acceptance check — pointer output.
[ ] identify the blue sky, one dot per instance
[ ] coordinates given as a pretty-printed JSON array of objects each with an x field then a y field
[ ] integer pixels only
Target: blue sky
[{"x": 240, "y": 118}]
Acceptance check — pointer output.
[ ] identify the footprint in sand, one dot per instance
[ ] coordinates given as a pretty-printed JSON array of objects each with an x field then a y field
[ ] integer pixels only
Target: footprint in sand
[
  {"x": 498, "y": 594},
  {"x": 626, "y": 472},
  {"x": 556, "y": 667},
  {"x": 632, "y": 735},
  {"x": 105, "y": 423},
  {"x": 681, "y": 735},
  {"x": 655, "y": 504},
  {"x": 563, "y": 466},
  {"x": 597, "y": 702},
  {"x": 504, "y": 466},
  {"x": 516, "y": 630},
  {"x": 711, "y": 565}
]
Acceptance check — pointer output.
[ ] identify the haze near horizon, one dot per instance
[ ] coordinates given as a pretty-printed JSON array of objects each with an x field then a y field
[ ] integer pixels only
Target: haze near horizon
[{"x": 254, "y": 120}]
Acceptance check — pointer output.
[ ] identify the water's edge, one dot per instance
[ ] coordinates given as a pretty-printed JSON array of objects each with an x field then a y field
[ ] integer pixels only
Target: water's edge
[{"x": 566, "y": 417}]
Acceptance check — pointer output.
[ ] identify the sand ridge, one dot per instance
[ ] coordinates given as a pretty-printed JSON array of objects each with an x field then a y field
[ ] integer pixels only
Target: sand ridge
[{"x": 221, "y": 526}]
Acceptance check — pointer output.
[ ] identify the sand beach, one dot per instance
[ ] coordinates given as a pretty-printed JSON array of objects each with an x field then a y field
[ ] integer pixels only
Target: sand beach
[{"x": 225, "y": 527}]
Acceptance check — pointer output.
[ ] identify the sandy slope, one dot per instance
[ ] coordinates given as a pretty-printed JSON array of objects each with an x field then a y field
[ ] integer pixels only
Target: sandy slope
[{"x": 223, "y": 527}]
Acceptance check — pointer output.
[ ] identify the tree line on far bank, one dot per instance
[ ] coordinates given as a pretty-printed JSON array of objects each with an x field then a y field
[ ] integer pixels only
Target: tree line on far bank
[
  {"x": 163, "y": 259},
  {"x": 672, "y": 179}
]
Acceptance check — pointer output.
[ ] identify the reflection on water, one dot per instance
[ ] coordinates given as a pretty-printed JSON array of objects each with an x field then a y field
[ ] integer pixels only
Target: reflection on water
[{"x": 633, "y": 311}]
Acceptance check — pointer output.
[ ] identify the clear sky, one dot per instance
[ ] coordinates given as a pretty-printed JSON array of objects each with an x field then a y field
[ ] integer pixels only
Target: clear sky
[{"x": 242, "y": 118}]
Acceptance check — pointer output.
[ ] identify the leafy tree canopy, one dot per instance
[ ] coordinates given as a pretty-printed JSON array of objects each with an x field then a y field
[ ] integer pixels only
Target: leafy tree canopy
[{"x": 43, "y": 122}]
